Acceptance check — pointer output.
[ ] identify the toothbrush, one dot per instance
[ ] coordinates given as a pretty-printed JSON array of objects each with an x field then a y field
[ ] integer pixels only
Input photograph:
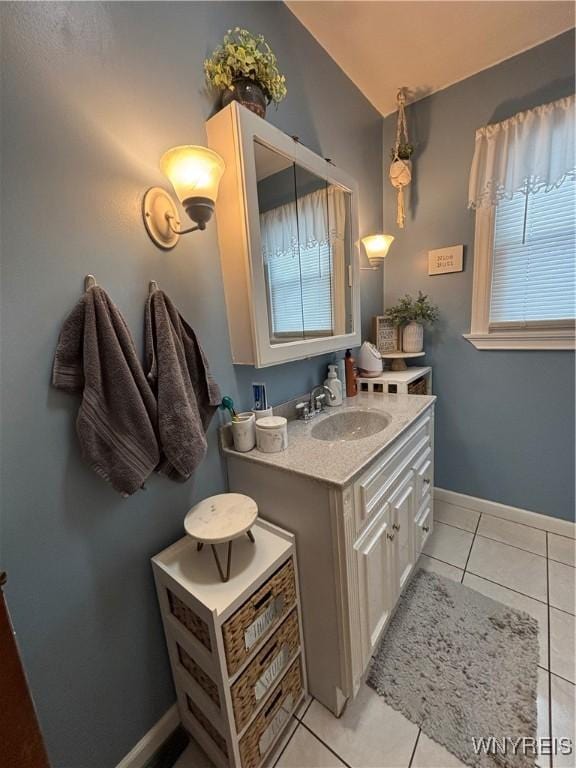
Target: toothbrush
[{"x": 227, "y": 404}]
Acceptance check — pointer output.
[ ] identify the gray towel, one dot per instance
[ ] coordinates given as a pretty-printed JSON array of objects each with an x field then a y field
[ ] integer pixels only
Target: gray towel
[
  {"x": 117, "y": 417},
  {"x": 186, "y": 393}
]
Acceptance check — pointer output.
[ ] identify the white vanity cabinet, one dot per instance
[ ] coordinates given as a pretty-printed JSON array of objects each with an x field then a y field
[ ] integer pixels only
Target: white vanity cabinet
[{"x": 358, "y": 545}]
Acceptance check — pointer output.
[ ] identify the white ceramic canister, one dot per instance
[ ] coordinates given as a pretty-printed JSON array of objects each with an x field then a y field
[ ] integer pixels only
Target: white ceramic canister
[
  {"x": 263, "y": 414},
  {"x": 244, "y": 431},
  {"x": 413, "y": 337},
  {"x": 272, "y": 434}
]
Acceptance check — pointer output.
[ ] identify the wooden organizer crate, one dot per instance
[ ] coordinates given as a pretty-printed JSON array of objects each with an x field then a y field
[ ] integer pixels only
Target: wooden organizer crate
[
  {"x": 415, "y": 380},
  {"x": 235, "y": 647}
]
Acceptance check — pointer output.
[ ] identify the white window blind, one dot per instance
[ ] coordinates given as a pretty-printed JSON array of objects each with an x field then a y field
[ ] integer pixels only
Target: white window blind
[
  {"x": 533, "y": 266},
  {"x": 300, "y": 291}
]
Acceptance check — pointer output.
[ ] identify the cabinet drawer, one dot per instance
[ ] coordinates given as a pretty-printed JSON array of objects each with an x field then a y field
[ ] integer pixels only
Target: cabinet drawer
[
  {"x": 261, "y": 735},
  {"x": 424, "y": 523},
  {"x": 377, "y": 480},
  {"x": 423, "y": 470},
  {"x": 186, "y": 616},
  {"x": 263, "y": 672},
  {"x": 257, "y": 618}
]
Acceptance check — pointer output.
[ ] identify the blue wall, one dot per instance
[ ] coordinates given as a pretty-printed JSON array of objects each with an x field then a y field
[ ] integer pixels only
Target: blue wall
[
  {"x": 505, "y": 419},
  {"x": 92, "y": 94}
]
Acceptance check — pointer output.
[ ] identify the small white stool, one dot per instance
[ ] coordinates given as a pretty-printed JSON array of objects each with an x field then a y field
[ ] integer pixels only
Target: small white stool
[{"x": 219, "y": 519}]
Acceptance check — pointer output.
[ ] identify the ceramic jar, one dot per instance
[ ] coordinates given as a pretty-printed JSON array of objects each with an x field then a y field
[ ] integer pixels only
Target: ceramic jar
[
  {"x": 413, "y": 337},
  {"x": 244, "y": 431},
  {"x": 272, "y": 434}
]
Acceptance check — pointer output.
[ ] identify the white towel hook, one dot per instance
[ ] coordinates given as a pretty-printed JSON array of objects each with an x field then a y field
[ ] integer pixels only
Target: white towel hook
[
  {"x": 89, "y": 282},
  {"x": 152, "y": 286}
]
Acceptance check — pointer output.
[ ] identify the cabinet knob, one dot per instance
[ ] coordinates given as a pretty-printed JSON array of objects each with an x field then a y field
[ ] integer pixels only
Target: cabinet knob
[
  {"x": 425, "y": 528},
  {"x": 396, "y": 526},
  {"x": 390, "y": 536}
]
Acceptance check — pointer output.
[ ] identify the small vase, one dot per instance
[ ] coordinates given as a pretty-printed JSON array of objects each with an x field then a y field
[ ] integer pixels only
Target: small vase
[
  {"x": 248, "y": 93},
  {"x": 413, "y": 337}
]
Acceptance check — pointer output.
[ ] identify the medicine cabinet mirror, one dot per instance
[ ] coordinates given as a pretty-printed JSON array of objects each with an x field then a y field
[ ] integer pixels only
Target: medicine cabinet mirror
[{"x": 287, "y": 230}]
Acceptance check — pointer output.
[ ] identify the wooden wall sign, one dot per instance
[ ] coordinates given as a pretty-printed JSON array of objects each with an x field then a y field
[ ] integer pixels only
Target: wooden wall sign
[
  {"x": 385, "y": 335},
  {"x": 444, "y": 260}
]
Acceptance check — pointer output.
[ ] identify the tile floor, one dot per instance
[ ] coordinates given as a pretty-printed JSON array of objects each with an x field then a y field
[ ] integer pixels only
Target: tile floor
[{"x": 521, "y": 566}]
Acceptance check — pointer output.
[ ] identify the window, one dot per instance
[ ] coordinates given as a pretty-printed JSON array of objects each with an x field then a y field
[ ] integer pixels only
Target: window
[
  {"x": 533, "y": 276},
  {"x": 304, "y": 250},
  {"x": 523, "y": 186},
  {"x": 300, "y": 291}
]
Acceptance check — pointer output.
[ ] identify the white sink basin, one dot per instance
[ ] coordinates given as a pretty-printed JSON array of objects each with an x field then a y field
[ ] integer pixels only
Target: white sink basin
[{"x": 353, "y": 425}]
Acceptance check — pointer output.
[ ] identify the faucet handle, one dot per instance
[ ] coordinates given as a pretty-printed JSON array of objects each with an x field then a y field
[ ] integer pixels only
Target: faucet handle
[
  {"x": 302, "y": 410},
  {"x": 319, "y": 401}
]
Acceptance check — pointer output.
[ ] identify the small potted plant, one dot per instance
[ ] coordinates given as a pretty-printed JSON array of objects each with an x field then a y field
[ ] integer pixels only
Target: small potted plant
[
  {"x": 404, "y": 152},
  {"x": 245, "y": 69},
  {"x": 411, "y": 315}
]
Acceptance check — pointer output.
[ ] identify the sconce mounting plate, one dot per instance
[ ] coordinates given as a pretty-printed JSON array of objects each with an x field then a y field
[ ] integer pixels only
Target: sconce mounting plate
[{"x": 156, "y": 205}]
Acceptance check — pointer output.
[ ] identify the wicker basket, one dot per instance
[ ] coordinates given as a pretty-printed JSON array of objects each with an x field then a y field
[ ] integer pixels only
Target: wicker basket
[
  {"x": 190, "y": 620},
  {"x": 417, "y": 387},
  {"x": 216, "y": 737},
  {"x": 258, "y": 739},
  {"x": 261, "y": 674},
  {"x": 256, "y": 619},
  {"x": 204, "y": 681}
]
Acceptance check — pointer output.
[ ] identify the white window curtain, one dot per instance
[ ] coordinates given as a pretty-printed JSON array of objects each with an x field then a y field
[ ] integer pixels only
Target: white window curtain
[
  {"x": 532, "y": 151},
  {"x": 303, "y": 250}
]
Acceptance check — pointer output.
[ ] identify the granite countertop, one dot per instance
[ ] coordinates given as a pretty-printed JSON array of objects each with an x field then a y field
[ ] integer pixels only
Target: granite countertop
[{"x": 338, "y": 462}]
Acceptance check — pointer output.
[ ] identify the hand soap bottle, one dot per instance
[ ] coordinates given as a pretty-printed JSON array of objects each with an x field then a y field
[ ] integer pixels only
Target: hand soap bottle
[
  {"x": 334, "y": 385},
  {"x": 351, "y": 383}
]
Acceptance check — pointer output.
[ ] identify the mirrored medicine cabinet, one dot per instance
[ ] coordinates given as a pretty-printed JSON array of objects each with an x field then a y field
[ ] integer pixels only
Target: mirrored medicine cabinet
[{"x": 288, "y": 233}]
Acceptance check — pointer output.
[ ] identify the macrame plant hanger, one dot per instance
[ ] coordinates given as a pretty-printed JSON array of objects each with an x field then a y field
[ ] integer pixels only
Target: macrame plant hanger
[{"x": 401, "y": 168}]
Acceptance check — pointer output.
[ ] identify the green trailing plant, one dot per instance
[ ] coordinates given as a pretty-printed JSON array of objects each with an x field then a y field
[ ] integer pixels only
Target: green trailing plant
[
  {"x": 404, "y": 152},
  {"x": 409, "y": 310},
  {"x": 248, "y": 56}
]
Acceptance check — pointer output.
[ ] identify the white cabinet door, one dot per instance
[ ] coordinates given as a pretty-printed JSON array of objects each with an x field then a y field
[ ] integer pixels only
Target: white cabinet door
[
  {"x": 402, "y": 510},
  {"x": 374, "y": 552},
  {"x": 424, "y": 524}
]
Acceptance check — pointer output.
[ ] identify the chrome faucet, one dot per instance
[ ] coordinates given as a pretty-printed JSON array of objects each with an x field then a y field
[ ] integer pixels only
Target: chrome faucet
[{"x": 315, "y": 405}]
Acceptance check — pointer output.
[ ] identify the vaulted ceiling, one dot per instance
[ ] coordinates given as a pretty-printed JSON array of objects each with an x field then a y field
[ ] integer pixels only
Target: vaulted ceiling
[{"x": 426, "y": 46}]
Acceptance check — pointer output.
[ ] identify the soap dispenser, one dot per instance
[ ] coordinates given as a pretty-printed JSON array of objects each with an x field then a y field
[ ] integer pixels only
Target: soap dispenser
[{"x": 334, "y": 385}]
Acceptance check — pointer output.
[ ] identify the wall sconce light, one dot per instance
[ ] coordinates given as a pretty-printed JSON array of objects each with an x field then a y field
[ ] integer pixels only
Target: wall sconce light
[
  {"x": 195, "y": 174},
  {"x": 376, "y": 247}
]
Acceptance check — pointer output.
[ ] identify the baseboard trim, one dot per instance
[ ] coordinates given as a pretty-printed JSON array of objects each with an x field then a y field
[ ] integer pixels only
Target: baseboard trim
[
  {"x": 152, "y": 741},
  {"x": 515, "y": 514}
]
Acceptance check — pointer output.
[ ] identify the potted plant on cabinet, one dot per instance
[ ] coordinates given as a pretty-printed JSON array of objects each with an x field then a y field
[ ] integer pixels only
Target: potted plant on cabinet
[
  {"x": 245, "y": 69},
  {"x": 411, "y": 315}
]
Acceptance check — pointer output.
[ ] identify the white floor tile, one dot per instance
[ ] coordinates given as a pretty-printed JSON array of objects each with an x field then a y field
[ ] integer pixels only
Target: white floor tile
[
  {"x": 543, "y": 732},
  {"x": 562, "y": 590},
  {"x": 193, "y": 757},
  {"x": 437, "y": 566},
  {"x": 563, "y": 718},
  {"x": 304, "y": 749},
  {"x": 562, "y": 646},
  {"x": 369, "y": 734},
  {"x": 509, "y": 566},
  {"x": 429, "y": 754},
  {"x": 449, "y": 544},
  {"x": 467, "y": 519},
  {"x": 562, "y": 549},
  {"x": 513, "y": 599},
  {"x": 515, "y": 534}
]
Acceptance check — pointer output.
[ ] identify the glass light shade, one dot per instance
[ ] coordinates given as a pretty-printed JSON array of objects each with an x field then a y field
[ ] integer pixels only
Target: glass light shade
[
  {"x": 193, "y": 172},
  {"x": 377, "y": 246}
]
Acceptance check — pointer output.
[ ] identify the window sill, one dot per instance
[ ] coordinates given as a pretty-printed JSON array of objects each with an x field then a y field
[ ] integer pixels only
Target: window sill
[{"x": 549, "y": 339}]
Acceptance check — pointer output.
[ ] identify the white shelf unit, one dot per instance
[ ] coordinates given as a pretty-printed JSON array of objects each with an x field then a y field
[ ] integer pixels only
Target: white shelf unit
[
  {"x": 397, "y": 382},
  {"x": 198, "y": 611}
]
